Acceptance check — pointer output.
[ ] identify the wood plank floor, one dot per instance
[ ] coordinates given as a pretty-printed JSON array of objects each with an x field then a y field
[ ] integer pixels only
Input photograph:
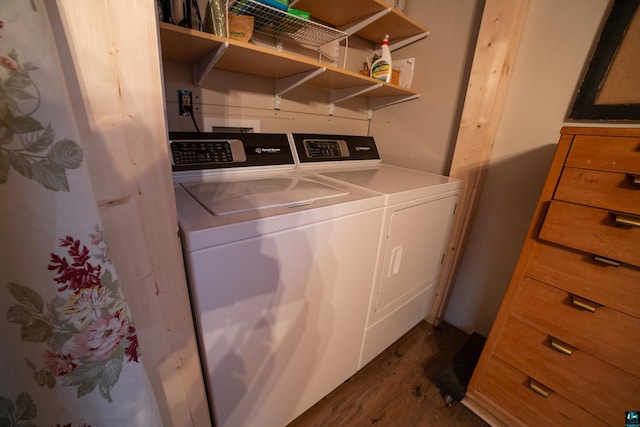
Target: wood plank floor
[{"x": 397, "y": 387}]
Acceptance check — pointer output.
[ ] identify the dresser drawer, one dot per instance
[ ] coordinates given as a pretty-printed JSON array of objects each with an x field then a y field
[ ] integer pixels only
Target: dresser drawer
[
  {"x": 598, "y": 387},
  {"x": 591, "y": 230},
  {"x": 615, "y": 154},
  {"x": 578, "y": 273},
  {"x": 606, "y": 190},
  {"x": 512, "y": 390},
  {"x": 605, "y": 333}
]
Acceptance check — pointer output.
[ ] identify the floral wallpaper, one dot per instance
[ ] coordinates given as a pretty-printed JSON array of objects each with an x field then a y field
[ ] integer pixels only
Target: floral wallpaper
[
  {"x": 86, "y": 329},
  {"x": 26, "y": 145},
  {"x": 70, "y": 354}
]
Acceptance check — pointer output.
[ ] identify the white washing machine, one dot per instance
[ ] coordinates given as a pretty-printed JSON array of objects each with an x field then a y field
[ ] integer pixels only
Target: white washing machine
[
  {"x": 418, "y": 217},
  {"x": 280, "y": 271}
]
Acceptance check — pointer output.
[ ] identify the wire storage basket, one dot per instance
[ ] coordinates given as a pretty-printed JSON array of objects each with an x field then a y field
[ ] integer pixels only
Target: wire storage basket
[{"x": 280, "y": 24}]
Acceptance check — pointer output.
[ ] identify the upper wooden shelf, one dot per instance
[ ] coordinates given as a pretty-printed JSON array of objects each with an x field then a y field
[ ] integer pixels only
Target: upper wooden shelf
[
  {"x": 369, "y": 19},
  {"x": 347, "y": 14},
  {"x": 205, "y": 51}
]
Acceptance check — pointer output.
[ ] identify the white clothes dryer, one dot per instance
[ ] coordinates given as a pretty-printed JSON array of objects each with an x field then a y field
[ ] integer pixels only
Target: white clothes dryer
[
  {"x": 419, "y": 211},
  {"x": 280, "y": 268}
]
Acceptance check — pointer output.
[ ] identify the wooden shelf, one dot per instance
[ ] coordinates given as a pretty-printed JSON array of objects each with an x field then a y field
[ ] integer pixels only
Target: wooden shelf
[
  {"x": 369, "y": 19},
  {"x": 345, "y": 15},
  {"x": 205, "y": 51}
]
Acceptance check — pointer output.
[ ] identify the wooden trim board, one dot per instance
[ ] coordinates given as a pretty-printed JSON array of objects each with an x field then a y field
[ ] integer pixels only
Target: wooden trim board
[{"x": 498, "y": 41}]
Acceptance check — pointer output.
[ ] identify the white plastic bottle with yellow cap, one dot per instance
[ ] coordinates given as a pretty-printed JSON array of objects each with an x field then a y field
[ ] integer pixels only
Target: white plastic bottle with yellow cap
[{"x": 381, "y": 68}]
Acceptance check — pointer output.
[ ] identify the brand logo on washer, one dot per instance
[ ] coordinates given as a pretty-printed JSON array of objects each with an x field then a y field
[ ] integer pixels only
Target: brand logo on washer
[
  {"x": 360, "y": 148},
  {"x": 267, "y": 150}
]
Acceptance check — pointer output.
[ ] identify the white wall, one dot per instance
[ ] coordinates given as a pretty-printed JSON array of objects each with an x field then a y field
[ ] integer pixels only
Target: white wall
[
  {"x": 556, "y": 43},
  {"x": 420, "y": 134},
  {"x": 236, "y": 96}
]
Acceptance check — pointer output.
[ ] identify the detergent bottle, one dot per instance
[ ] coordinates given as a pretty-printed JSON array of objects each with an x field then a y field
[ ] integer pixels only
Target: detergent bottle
[{"x": 381, "y": 68}]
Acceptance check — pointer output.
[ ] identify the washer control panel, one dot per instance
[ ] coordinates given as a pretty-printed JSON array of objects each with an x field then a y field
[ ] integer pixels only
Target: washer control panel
[
  {"x": 192, "y": 151},
  {"x": 326, "y": 148},
  {"x": 207, "y": 152}
]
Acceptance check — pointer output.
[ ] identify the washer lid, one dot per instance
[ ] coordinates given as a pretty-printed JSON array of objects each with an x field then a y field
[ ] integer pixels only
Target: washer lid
[{"x": 231, "y": 197}]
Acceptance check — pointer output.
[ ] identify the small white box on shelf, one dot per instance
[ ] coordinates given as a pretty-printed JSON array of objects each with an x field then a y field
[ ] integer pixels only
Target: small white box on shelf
[{"x": 405, "y": 66}]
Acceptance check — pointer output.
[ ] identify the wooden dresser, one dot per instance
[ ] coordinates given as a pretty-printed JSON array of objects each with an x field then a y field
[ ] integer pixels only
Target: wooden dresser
[{"x": 564, "y": 349}]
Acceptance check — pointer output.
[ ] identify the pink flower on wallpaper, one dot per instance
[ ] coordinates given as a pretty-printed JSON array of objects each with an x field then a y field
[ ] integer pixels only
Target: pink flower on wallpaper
[
  {"x": 86, "y": 327},
  {"x": 60, "y": 364},
  {"x": 8, "y": 63},
  {"x": 100, "y": 340}
]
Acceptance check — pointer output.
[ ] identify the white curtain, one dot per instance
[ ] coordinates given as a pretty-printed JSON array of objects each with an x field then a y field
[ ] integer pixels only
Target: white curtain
[{"x": 69, "y": 352}]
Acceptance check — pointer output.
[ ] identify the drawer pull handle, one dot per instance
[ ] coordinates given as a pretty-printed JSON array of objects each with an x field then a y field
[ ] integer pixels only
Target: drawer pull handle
[
  {"x": 626, "y": 219},
  {"x": 607, "y": 261},
  {"x": 636, "y": 179},
  {"x": 560, "y": 346},
  {"x": 539, "y": 388},
  {"x": 584, "y": 304}
]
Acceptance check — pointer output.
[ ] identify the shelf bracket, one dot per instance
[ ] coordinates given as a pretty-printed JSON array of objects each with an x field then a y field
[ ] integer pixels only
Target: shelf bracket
[
  {"x": 202, "y": 67},
  {"x": 285, "y": 84},
  {"x": 356, "y": 26},
  {"x": 407, "y": 41},
  {"x": 386, "y": 101},
  {"x": 339, "y": 95}
]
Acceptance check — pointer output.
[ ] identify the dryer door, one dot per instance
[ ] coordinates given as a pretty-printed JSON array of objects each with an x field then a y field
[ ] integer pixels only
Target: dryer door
[{"x": 416, "y": 241}]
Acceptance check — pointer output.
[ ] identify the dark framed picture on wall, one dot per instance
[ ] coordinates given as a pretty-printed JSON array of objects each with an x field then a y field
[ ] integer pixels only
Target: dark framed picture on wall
[{"x": 610, "y": 90}]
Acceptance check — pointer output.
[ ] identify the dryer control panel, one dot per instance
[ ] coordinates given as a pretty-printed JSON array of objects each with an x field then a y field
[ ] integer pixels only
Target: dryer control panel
[
  {"x": 319, "y": 148},
  {"x": 335, "y": 148}
]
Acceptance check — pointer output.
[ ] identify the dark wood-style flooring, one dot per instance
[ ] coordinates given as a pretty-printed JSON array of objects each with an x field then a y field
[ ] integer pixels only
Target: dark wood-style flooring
[{"x": 397, "y": 387}]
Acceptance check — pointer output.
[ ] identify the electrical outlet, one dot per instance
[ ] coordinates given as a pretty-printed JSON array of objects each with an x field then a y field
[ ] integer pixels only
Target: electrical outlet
[{"x": 185, "y": 102}]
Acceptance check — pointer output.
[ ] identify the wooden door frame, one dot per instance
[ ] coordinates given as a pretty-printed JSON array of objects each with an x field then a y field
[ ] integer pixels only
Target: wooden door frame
[{"x": 138, "y": 213}]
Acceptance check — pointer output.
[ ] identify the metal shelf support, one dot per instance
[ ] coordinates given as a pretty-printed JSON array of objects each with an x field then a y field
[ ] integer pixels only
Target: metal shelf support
[
  {"x": 202, "y": 67},
  {"x": 407, "y": 41},
  {"x": 356, "y": 26},
  {"x": 339, "y": 95},
  {"x": 285, "y": 84},
  {"x": 377, "y": 103}
]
